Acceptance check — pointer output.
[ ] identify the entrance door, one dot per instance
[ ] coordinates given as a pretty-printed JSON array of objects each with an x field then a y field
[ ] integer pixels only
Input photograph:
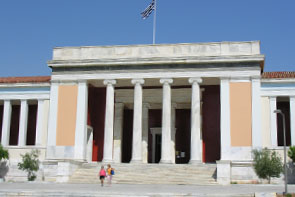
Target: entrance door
[
  {"x": 158, "y": 146},
  {"x": 183, "y": 136}
]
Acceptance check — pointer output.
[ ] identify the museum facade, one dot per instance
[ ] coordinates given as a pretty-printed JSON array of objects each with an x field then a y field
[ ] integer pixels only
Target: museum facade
[{"x": 166, "y": 103}]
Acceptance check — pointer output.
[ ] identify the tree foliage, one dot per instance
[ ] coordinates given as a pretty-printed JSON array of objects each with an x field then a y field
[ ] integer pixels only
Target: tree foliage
[
  {"x": 3, "y": 153},
  {"x": 30, "y": 164},
  {"x": 291, "y": 153},
  {"x": 267, "y": 164}
]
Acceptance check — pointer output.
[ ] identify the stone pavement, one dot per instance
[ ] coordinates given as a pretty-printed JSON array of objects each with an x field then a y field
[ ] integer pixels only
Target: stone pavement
[{"x": 58, "y": 189}]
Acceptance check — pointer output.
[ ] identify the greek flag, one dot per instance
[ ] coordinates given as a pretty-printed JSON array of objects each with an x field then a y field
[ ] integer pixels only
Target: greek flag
[{"x": 148, "y": 10}]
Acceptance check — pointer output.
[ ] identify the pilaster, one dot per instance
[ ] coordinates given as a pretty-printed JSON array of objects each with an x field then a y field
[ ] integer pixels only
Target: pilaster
[
  {"x": 23, "y": 123},
  {"x": 292, "y": 119},
  {"x": 256, "y": 114},
  {"x": 6, "y": 123},
  {"x": 225, "y": 137},
  {"x": 273, "y": 121},
  {"x": 40, "y": 123},
  {"x": 81, "y": 121}
]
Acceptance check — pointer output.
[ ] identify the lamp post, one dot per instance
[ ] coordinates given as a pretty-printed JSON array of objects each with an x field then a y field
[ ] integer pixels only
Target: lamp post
[{"x": 278, "y": 111}]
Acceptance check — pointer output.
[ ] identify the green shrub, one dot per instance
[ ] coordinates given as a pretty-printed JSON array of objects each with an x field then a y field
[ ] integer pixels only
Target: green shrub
[
  {"x": 3, "y": 153},
  {"x": 30, "y": 163},
  {"x": 267, "y": 164},
  {"x": 291, "y": 153}
]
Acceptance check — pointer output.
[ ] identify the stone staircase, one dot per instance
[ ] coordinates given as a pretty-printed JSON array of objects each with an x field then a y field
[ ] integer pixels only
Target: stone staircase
[{"x": 201, "y": 174}]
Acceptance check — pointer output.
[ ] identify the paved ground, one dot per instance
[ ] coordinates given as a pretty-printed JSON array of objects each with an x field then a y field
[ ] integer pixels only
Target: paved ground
[{"x": 55, "y": 189}]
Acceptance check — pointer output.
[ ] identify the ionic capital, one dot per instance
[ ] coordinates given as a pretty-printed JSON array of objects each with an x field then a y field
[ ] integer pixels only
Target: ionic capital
[
  {"x": 166, "y": 81},
  {"x": 137, "y": 81},
  {"x": 195, "y": 80},
  {"x": 109, "y": 82}
]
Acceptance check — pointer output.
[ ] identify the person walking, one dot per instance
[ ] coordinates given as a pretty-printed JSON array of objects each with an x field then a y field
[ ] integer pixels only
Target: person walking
[
  {"x": 102, "y": 175},
  {"x": 110, "y": 173}
]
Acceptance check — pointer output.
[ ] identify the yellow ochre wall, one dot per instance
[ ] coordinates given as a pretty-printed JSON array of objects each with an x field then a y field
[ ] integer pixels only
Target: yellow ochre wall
[
  {"x": 240, "y": 114},
  {"x": 66, "y": 115}
]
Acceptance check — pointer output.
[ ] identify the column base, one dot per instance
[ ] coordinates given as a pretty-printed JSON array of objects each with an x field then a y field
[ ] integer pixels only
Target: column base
[
  {"x": 136, "y": 161},
  {"x": 165, "y": 162},
  {"x": 195, "y": 162},
  {"x": 107, "y": 161}
]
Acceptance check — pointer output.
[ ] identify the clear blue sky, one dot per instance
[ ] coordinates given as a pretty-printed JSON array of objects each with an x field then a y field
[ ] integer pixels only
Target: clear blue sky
[{"x": 31, "y": 29}]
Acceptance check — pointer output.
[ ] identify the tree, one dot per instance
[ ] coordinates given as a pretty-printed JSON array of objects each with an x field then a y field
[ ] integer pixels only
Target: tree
[
  {"x": 3, "y": 153},
  {"x": 291, "y": 153},
  {"x": 30, "y": 163},
  {"x": 267, "y": 164}
]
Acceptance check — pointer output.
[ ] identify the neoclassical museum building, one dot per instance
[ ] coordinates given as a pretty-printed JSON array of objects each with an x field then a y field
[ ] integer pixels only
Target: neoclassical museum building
[{"x": 189, "y": 104}]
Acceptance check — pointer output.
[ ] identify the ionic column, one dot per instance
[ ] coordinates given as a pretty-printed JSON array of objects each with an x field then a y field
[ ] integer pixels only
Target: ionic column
[
  {"x": 173, "y": 131},
  {"x": 118, "y": 130},
  {"x": 145, "y": 132},
  {"x": 109, "y": 121},
  {"x": 256, "y": 114},
  {"x": 81, "y": 121},
  {"x": 273, "y": 122},
  {"x": 137, "y": 121},
  {"x": 40, "y": 122},
  {"x": 292, "y": 119},
  {"x": 225, "y": 138},
  {"x": 6, "y": 123},
  {"x": 196, "y": 142},
  {"x": 166, "y": 121},
  {"x": 23, "y": 123}
]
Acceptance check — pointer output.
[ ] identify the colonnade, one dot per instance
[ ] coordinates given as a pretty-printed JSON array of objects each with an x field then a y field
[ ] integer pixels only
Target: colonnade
[
  {"x": 140, "y": 129},
  {"x": 23, "y": 122}
]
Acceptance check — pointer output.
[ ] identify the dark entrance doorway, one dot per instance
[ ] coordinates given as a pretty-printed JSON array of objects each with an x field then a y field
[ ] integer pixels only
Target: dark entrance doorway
[
  {"x": 183, "y": 135},
  {"x": 211, "y": 123},
  {"x": 127, "y": 135},
  {"x": 158, "y": 145},
  {"x": 96, "y": 116},
  {"x": 155, "y": 121}
]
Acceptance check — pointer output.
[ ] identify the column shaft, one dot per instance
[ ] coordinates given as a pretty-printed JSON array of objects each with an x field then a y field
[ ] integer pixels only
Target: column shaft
[
  {"x": 109, "y": 121},
  {"x": 145, "y": 132},
  {"x": 292, "y": 119},
  {"x": 81, "y": 121},
  {"x": 23, "y": 123},
  {"x": 166, "y": 122},
  {"x": 137, "y": 121},
  {"x": 40, "y": 122},
  {"x": 225, "y": 119},
  {"x": 196, "y": 142},
  {"x": 6, "y": 123},
  {"x": 173, "y": 132},
  {"x": 273, "y": 122}
]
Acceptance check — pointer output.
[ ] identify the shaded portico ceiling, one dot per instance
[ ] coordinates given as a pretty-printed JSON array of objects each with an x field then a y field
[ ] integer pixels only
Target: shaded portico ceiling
[{"x": 160, "y": 56}]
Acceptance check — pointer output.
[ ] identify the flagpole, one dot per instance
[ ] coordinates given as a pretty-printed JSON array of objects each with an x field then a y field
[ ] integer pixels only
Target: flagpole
[{"x": 154, "y": 28}]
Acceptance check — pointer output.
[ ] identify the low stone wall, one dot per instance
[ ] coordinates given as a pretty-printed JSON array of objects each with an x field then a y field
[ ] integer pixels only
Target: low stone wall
[{"x": 242, "y": 172}]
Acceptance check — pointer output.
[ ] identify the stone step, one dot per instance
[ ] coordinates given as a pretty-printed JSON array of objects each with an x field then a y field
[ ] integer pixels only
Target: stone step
[{"x": 200, "y": 174}]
